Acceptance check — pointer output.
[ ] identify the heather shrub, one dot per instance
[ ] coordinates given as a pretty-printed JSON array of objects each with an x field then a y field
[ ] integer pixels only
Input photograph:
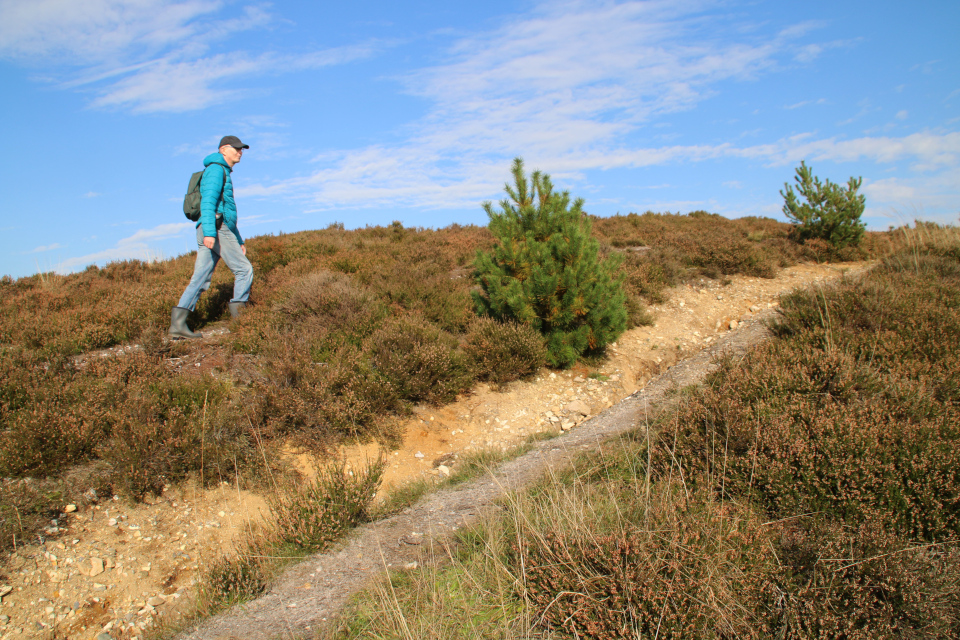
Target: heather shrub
[
  {"x": 501, "y": 352},
  {"x": 345, "y": 396},
  {"x": 696, "y": 571},
  {"x": 546, "y": 271},
  {"x": 852, "y": 412},
  {"x": 864, "y": 583},
  {"x": 132, "y": 413},
  {"x": 26, "y": 506},
  {"x": 313, "y": 514},
  {"x": 231, "y": 580},
  {"x": 422, "y": 362}
]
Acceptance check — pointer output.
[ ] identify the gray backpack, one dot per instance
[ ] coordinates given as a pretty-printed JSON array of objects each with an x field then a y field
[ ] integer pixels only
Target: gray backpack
[{"x": 191, "y": 201}]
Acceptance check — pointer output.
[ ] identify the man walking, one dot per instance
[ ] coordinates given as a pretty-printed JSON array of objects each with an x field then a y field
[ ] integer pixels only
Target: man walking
[{"x": 217, "y": 237}]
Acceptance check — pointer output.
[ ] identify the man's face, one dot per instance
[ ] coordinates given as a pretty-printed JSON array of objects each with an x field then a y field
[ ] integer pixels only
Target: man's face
[{"x": 231, "y": 154}]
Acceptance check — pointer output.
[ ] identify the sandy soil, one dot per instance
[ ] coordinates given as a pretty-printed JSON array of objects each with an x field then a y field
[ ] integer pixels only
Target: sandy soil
[{"x": 113, "y": 567}]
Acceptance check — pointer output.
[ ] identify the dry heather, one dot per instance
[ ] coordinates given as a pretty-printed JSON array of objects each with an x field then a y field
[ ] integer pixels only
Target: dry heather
[{"x": 346, "y": 328}]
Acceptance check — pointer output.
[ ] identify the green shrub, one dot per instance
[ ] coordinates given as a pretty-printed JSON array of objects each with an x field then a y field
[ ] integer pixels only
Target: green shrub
[
  {"x": 546, "y": 271},
  {"x": 830, "y": 213},
  {"x": 504, "y": 351}
]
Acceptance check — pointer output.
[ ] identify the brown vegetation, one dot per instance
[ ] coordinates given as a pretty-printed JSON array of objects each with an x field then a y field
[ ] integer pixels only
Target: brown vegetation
[{"x": 345, "y": 329}]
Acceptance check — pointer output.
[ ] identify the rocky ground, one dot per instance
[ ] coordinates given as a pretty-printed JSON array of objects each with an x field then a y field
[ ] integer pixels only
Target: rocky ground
[{"x": 110, "y": 569}]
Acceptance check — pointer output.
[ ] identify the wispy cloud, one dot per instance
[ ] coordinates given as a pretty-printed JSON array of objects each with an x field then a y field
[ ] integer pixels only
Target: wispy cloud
[
  {"x": 150, "y": 55},
  {"x": 45, "y": 248},
  {"x": 133, "y": 247},
  {"x": 565, "y": 87}
]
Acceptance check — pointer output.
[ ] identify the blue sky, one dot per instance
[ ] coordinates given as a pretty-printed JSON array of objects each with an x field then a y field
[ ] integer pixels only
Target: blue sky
[{"x": 367, "y": 112}]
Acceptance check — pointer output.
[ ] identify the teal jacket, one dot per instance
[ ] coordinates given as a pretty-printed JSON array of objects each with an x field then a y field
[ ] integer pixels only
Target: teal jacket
[{"x": 216, "y": 197}]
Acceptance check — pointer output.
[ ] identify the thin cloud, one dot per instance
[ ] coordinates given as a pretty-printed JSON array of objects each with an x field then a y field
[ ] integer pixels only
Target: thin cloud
[
  {"x": 45, "y": 248},
  {"x": 150, "y": 56},
  {"x": 174, "y": 86},
  {"x": 133, "y": 247},
  {"x": 96, "y": 31},
  {"x": 563, "y": 85}
]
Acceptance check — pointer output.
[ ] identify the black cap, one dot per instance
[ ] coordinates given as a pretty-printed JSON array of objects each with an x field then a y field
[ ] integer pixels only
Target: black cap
[{"x": 233, "y": 141}]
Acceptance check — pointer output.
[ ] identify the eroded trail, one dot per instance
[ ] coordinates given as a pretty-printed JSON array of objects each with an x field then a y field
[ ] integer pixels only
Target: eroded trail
[{"x": 116, "y": 566}]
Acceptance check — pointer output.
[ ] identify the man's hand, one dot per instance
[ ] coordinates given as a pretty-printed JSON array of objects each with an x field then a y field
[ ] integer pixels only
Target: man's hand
[
  {"x": 243, "y": 248},
  {"x": 208, "y": 242}
]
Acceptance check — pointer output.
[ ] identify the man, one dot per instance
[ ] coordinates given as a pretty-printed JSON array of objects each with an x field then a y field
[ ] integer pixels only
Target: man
[{"x": 217, "y": 237}]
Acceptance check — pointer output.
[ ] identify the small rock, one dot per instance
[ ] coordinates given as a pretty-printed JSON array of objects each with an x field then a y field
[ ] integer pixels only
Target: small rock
[
  {"x": 566, "y": 426},
  {"x": 754, "y": 308},
  {"x": 4, "y": 590},
  {"x": 104, "y": 636},
  {"x": 70, "y": 508},
  {"x": 444, "y": 470},
  {"x": 411, "y": 565},
  {"x": 94, "y": 567},
  {"x": 4, "y": 619},
  {"x": 112, "y": 522},
  {"x": 579, "y": 407},
  {"x": 733, "y": 324},
  {"x": 578, "y": 379},
  {"x": 682, "y": 303},
  {"x": 415, "y": 539},
  {"x": 155, "y": 601},
  {"x": 418, "y": 455}
]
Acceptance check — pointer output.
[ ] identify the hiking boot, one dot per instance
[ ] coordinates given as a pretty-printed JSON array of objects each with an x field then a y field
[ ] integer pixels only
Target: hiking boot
[
  {"x": 178, "y": 324},
  {"x": 236, "y": 308}
]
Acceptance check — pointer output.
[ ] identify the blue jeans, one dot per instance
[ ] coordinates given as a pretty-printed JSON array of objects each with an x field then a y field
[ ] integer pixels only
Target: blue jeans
[{"x": 227, "y": 247}]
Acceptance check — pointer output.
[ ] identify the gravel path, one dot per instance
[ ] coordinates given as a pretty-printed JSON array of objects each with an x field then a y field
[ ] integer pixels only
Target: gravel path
[{"x": 315, "y": 590}]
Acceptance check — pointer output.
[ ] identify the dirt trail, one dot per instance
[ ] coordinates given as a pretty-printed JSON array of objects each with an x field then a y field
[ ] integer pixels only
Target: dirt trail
[{"x": 114, "y": 567}]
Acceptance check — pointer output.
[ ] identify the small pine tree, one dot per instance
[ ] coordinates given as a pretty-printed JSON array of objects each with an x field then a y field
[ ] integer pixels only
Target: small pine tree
[
  {"x": 831, "y": 212},
  {"x": 546, "y": 271}
]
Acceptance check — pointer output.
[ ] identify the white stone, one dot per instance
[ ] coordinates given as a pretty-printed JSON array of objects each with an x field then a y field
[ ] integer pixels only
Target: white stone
[
  {"x": 444, "y": 470},
  {"x": 418, "y": 455},
  {"x": 70, "y": 508}
]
